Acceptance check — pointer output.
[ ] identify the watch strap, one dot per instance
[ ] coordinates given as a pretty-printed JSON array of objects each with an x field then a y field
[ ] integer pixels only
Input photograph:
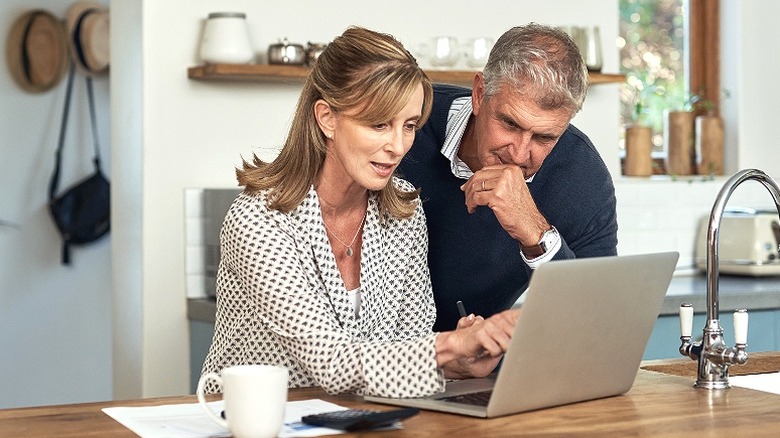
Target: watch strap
[
  {"x": 540, "y": 248},
  {"x": 533, "y": 251}
]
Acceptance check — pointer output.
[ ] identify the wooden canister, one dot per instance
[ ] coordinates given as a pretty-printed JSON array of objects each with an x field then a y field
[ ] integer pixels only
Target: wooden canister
[
  {"x": 679, "y": 141},
  {"x": 639, "y": 145},
  {"x": 709, "y": 145}
]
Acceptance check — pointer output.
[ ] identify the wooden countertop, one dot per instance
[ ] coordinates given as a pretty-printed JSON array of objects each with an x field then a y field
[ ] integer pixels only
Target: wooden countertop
[{"x": 658, "y": 405}]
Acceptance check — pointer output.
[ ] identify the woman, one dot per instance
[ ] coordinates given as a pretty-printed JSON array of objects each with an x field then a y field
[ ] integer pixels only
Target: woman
[{"x": 324, "y": 255}]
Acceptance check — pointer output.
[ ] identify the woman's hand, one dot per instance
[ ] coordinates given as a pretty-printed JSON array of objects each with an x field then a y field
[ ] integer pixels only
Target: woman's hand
[
  {"x": 476, "y": 347},
  {"x": 468, "y": 321}
]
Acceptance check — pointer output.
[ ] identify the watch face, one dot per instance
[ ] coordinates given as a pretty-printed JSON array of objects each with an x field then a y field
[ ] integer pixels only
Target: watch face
[{"x": 548, "y": 238}]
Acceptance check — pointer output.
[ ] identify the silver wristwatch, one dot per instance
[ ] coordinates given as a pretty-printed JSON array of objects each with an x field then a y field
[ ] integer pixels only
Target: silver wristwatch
[{"x": 547, "y": 241}]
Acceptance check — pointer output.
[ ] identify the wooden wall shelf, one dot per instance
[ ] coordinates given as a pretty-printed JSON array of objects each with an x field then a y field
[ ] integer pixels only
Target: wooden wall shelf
[{"x": 294, "y": 74}]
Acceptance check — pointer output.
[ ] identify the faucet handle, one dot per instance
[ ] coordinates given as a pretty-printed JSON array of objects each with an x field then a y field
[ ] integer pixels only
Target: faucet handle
[
  {"x": 740, "y": 326},
  {"x": 686, "y": 320}
]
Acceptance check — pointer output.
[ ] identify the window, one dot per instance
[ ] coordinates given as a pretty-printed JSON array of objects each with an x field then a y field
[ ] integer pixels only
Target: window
[
  {"x": 652, "y": 49},
  {"x": 669, "y": 53}
]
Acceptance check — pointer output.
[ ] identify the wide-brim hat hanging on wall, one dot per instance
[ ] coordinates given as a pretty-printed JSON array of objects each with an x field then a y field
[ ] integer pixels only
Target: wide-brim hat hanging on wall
[
  {"x": 88, "y": 37},
  {"x": 37, "y": 50}
]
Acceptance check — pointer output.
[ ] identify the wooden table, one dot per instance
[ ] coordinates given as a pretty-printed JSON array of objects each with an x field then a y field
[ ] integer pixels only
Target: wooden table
[{"x": 658, "y": 405}]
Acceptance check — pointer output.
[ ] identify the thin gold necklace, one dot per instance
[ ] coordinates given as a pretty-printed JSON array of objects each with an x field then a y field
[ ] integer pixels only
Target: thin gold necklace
[{"x": 349, "y": 247}]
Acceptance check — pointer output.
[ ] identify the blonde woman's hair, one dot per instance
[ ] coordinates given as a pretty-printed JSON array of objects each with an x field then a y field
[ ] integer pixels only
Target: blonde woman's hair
[{"x": 359, "y": 69}]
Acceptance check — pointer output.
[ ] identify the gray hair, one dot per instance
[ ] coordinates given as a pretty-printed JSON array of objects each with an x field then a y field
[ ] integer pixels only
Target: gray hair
[{"x": 541, "y": 62}]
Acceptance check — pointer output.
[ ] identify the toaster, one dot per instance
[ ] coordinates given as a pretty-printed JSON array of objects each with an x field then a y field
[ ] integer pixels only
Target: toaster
[{"x": 749, "y": 242}]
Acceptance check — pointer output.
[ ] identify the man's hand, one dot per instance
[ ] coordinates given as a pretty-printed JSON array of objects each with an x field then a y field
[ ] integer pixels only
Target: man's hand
[{"x": 502, "y": 187}]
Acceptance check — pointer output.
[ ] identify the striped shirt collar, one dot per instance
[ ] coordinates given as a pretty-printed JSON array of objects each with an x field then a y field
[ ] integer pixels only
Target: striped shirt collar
[{"x": 457, "y": 119}]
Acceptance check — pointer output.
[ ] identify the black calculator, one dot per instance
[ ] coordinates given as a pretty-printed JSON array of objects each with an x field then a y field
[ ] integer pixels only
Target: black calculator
[{"x": 358, "y": 419}]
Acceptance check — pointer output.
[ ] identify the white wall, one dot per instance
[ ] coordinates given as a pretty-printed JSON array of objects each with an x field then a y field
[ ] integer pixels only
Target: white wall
[
  {"x": 753, "y": 81},
  {"x": 55, "y": 320},
  {"x": 170, "y": 133},
  {"x": 127, "y": 278}
]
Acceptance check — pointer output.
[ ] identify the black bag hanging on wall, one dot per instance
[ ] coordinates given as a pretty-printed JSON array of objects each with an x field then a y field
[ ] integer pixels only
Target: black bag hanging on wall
[{"x": 82, "y": 212}]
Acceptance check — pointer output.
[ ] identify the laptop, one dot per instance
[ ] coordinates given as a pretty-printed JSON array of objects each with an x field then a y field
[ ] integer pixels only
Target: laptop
[{"x": 581, "y": 336}]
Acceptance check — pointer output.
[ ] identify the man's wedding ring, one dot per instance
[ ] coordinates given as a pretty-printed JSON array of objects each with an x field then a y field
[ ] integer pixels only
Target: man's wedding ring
[{"x": 483, "y": 185}]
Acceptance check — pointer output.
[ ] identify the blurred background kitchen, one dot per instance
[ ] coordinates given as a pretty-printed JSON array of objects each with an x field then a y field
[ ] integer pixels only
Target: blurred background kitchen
[{"x": 114, "y": 323}]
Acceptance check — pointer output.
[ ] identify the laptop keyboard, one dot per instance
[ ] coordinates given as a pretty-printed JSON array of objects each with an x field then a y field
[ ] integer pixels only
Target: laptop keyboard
[{"x": 473, "y": 398}]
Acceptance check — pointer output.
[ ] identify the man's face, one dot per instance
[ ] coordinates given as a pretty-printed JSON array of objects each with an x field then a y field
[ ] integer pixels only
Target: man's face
[{"x": 512, "y": 129}]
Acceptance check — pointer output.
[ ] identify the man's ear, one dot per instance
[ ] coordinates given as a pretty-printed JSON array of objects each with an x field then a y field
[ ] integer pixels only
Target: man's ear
[
  {"x": 477, "y": 92},
  {"x": 326, "y": 117}
]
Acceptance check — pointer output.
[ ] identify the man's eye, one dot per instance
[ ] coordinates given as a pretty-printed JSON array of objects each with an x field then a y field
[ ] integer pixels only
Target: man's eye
[{"x": 511, "y": 125}]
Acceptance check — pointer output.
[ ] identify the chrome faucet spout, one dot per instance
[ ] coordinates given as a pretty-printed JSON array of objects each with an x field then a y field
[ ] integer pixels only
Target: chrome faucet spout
[
  {"x": 713, "y": 354},
  {"x": 713, "y": 229}
]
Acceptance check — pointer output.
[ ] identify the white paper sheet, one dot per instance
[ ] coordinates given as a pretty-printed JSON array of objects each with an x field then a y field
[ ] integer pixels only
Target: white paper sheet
[
  {"x": 769, "y": 382},
  {"x": 189, "y": 420}
]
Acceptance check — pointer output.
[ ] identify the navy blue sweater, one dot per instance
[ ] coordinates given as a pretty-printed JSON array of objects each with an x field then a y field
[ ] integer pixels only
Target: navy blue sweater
[{"x": 471, "y": 257}]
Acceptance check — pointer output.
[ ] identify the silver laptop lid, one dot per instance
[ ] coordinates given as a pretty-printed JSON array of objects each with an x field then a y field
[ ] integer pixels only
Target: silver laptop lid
[
  {"x": 582, "y": 332},
  {"x": 581, "y": 335}
]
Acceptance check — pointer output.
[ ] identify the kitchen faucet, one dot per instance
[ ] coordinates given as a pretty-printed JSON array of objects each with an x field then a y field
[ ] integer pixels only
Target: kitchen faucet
[{"x": 714, "y": 356}]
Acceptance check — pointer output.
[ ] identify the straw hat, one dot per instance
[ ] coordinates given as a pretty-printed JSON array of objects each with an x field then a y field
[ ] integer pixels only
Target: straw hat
[
  {"x": 36, "y": 50},
  {"x": 87, "y": 29}
]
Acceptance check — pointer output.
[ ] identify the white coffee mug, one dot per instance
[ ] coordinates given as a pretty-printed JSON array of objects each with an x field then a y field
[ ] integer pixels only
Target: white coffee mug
[{"x": 254, "y": 395}]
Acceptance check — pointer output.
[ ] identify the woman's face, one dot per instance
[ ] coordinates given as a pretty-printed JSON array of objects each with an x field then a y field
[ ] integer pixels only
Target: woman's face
[{"x": 367, "y": 155}]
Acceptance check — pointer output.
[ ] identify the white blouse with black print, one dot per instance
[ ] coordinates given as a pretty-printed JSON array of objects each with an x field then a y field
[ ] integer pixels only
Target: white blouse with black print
[{"x": 281, "y": 300}]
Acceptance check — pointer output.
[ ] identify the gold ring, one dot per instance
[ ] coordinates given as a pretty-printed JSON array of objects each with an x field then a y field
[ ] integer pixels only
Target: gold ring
[{"x": 483, "y": 185}]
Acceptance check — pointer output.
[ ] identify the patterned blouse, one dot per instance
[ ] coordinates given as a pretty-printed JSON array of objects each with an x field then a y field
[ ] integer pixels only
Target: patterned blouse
[{"x": 281, "y": 301}]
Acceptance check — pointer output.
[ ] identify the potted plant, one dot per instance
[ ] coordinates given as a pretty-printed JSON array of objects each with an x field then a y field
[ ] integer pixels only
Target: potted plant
[
  {"x": 639, "y": 134},
  {"x": 679, "y": 138},
  {"x": 709, "y": 138}
]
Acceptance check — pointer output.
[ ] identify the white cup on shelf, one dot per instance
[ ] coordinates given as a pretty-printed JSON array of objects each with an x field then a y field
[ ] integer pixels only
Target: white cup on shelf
[
  {"x": 477, "y": 51},
  {"x": 445, "y": 52}
]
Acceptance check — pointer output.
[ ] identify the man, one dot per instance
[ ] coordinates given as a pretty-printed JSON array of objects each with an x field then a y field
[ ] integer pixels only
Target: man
[{"x": 507, "y": 182}]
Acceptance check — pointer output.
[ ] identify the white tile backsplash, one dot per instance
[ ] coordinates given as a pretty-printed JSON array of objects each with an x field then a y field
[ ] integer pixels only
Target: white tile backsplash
[
  {"x": 654, "y": 214},
  {"x": 193, "y": 238},
  {"x": 196, "y": 286},
  {"x": 193, "y": 201},
  {"x": 194, "y": 227},
  {"x": 663, "y": 214}
]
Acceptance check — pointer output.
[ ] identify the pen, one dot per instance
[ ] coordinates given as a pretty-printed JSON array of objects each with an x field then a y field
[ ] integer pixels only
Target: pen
[{"x": 461, "y": 309}]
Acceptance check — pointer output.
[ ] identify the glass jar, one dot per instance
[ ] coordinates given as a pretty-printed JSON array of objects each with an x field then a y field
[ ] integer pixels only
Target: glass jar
[{"x": 226, "y": 39}]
